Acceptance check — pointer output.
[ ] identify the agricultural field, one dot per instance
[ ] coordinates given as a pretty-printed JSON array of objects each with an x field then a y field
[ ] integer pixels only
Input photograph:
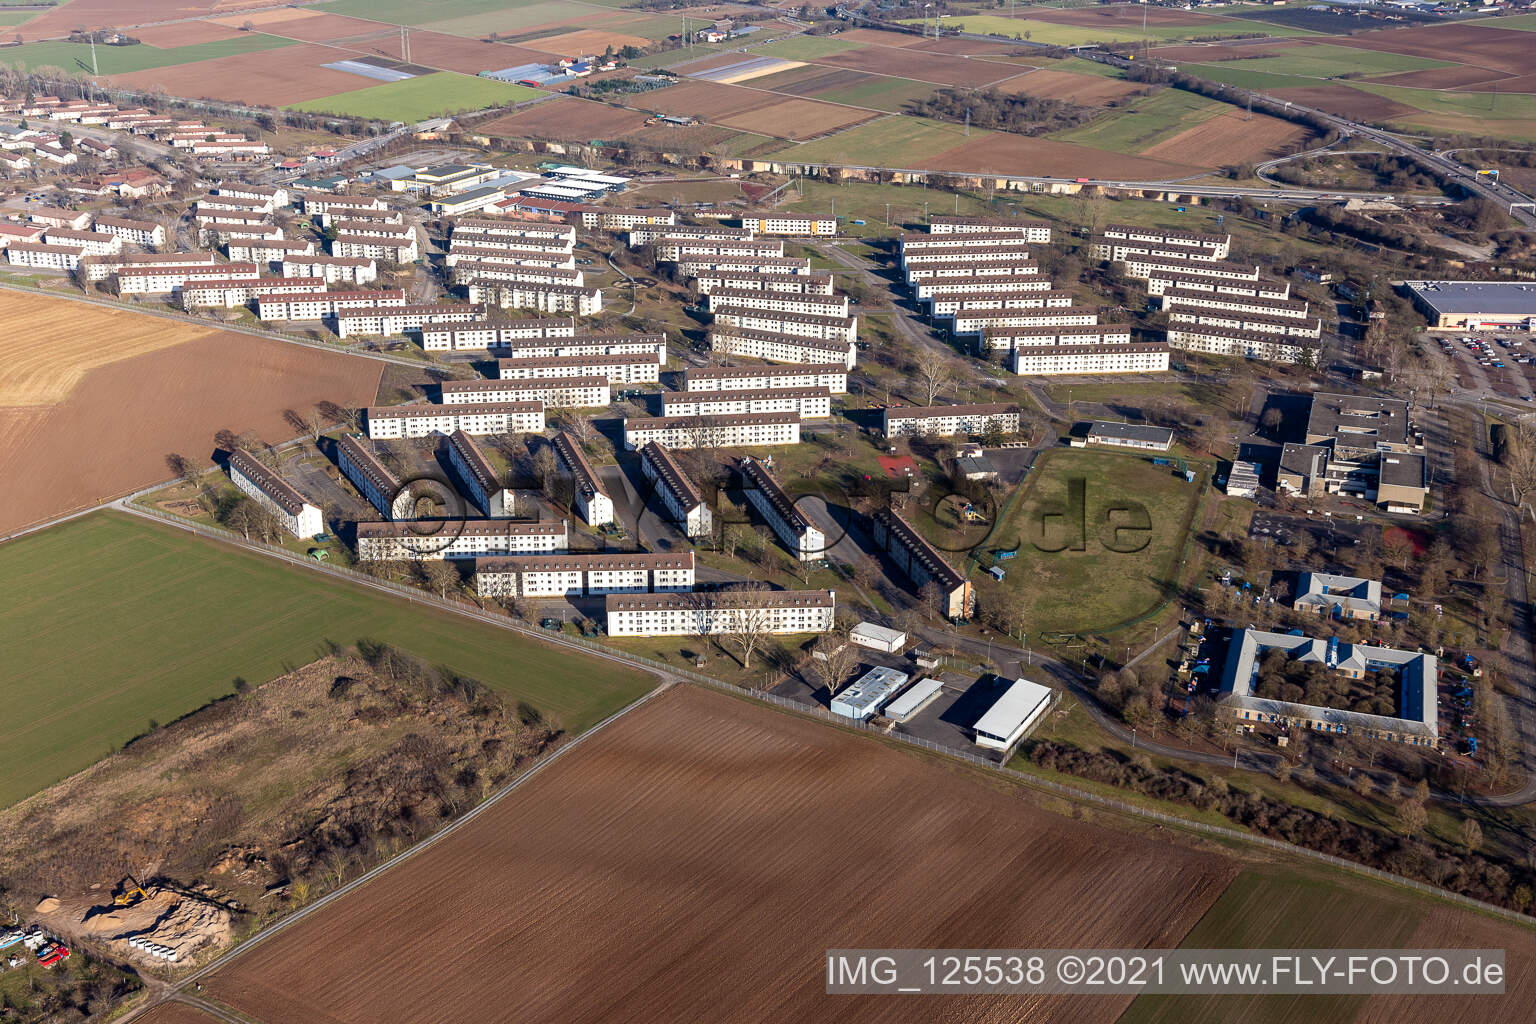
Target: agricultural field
[
  {"x": 418, "y": 98},
  {"x": 565, "y": 119},
  {"x": 1082, "y": 89},
  {"x": 1087, "y": 28},
  {"x": 122, "y": 60},
  {"x": 1144, "y": 122},
  {"x": 888, "y": 142},
  {"x": 807, "y": 48},
  {"x": 1092, "y": 588},
  {"x": 250, "y": 77},
  {"x": 728, "y": 773},
  {"x": 147, "y": 622},
  {"x": 1322, "y": 60},
  {"x": 99, "y": 424}
]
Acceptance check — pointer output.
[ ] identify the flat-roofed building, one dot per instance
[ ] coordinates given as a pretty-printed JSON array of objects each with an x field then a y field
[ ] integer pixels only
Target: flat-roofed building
[
  {"x": 777, "y": 347},
  {"x": 479, "y": 476},
  {"x": 682, "y": 500},
  {"x": 1402, "y": 482},
  {"x": 372, "y": 478},
  {"x": 1140, "y": 436},
  {"x": 948, "y": 420},
  {"x": 269, "y": 490},
  {"x": 432, "y": 539},
  {"x": 584, "y": 574},
  {"x": 1475, "y": 305},
  {"x": 916, "y": 556},
  {"x": 866, "y": 695},
  {"x": 810, "y": 403},
  {"x": 478, "y": 335},
  {"x": 765, "y": 494},
  {"x": 745, "y": 430},
  {"x": 832, "y": 376},
  {"x": 615, "y": 369},
  {"x": 397, "y": 421},
  {"x": 1359, "y": 425},
  {"x": 1012, "y": 715},
  {"x": 592, "y": 502},
  {"x": 778, "y": 612},
  {"x": 554, "y": 392},
  {"x": 1059, "y": 360}
]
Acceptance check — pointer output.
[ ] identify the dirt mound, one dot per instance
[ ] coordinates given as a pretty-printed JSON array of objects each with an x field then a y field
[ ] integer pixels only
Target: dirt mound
[
  {"x": 47, "y": 905},
  {"x": 183, "y": 923}
]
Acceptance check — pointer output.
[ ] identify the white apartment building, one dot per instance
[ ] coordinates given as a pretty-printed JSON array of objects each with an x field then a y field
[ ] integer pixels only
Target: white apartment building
[
  {"x": 317, "y": 203},
  {"x": 486, "y": 255},
  {"x": 615, "y": 369},
  {"x": 1006, "y": 339},
  {"x": 169, "y": 278},
  {"x": 809, "y": 403},
  {"x": 472, "y": 271},
  {"x": 976, "y": 321},
  {"x": 710, "y": 281},
  {"x": 361, "y": 214},
  {"x": 58, "y": 217},
  {"x": 584, "y": 575},
  {"x": 781, "y": 612},
  {"x": 545, "y": 298},
  {"x": 415, "y": 539},
  {"x": 239, "y": 147},
  {"x": 372, "y": 478},
  {"x": 948, "y": 420},
  {"x": 1161, "y": 281},
  {"x": 677, "y": 250},
  {"x": 962, "y": 242},
  {"x": 747, "y": 430},
  {"x": 640, "y": 345},
  {"x": 824, "y": 306},
  {"x": 334, "y": 269},
  {"x": 326, "y": 304},
  {"x": 479, "y": 476},
  {"x": 949, "y": 305},
  {"x": 683, "y": 501},
  {"x": 101, "y": 269},
  {"x": 1256, "y": 323},
  {"x": 238, "y": 204},
  {"x": 832, "y": 376},
  {"x": 797, "y": 224},
  {"x": 1144, "y": 266},
  {"x": 95, "y": 243},
  {"x": 1127, "y": 251},
  {"x": 918, "y": 272},
  {"x": 134, "y": 232},
  {"x": 276, "y": 495},
  {"x": 782, "y": 348},
  {"x": 389, "y": 320},
  {"x": 398, "y": 421},
  {"x": 42, "y": 256},
  {"x": 230, "y": 294},
  {"x": 274, "y": 194},
  {"x": 645, "y": 235},
  {"x": 479, "y": 335},
  {"x": 392, "y": 250},
  {"x": 801, "y": 325},
  {"x": 555, "y": 392},
  {"x": 1056, "y": 360},
  {"x": 700, "y": 265},
  {"x": 1223, "y": 341},
  {"x": 1037, "y": 231},
  {"x": 562, "y": 233},
  {"x": 478, "y": 246},
  {"x": 1181, "y": 298},
  {"x": 928, "y": 288},
  {"x": 216, "y": 218},
  {"x": 916, "y": 556},
  {"x": 268, "y": 250},
  {"x": 1217, "y": 247},
  {"x": 773, "y": 503},
  {"x": 592, "y": 502},
  {"x": 609, "y": 218},
  {"x": 974, "y": 252}
]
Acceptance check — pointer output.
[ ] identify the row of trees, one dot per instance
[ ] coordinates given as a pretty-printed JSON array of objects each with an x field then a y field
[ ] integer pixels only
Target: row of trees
[{"x": 1009, "y": 112}]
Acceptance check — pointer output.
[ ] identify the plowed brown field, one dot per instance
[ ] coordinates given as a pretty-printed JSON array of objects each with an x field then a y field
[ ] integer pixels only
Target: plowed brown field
[
  {"x": 452, "y": 53},
  {"x": 60, "y": 20},
  {"x": 910, "y": 62},
  {"x": 694, "y": 862},
  {"x": 796, "y": 119},
  {"x": 566, "y": 120},
  {"x": 185, "y": 33},
  {"x": 1444, "y": 928},
  {"x": 1445, "y": 78},
  {"x": 110, "y": 434},
  {"x": 1351, "y": 103},
  {"x": 1001, "y": 153},
  {"x": 252, "y": 77},
  {"x": 1497, "y": 48},
  {"x": 589, "y": 40},
  {"x": 176, "y": 1013},
  {"x": 1089, "y": 90},
  {"x": 318, "y": 27},
  {"x": 1227, "y": 139}
]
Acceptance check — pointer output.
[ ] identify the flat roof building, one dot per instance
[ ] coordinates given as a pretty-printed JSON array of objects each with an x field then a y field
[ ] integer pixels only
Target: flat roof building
[
  {"x": 1130, "y": 435},
  {"x": 1013, "y": 715},
  {"x": 918, "y": 696},
  {"x": 1474, "y": 305},
  {"x": 863, "y": 700}
]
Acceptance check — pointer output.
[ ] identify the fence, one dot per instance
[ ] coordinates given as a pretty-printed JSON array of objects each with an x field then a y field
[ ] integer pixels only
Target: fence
[{"x": 817, "y": 712}]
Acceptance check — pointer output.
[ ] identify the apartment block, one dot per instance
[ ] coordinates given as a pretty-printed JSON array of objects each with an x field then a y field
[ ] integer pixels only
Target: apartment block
[
  {"x": 1058, "y": 360},
  {"x": 480, "y": 335},
  {"x": 390, "y": 320},
  {"x": 544, "y": 298},
  {"x": 679, "y": 496},
  {"x": 616, "y": 369},
  {"x": 479, "y": 476},
  {"x": 398, "y": 421},
  {"x": 780, "y": 612},
  {"x": 777, "y": 347},
  {"x": 584, "y": 575},
  {"x": 922, "y": 564},
  {"x": 746, "y": 430},
  {"x": 269, "y": 490},
  {"x": 372, "y": 478},
  {"x": 592, "y": 502},
  {"x": 554, "y": 392},
  {"x": 949, "y": 420},
  {"x": 809, "y": 403},
  {"x": 832, "y": 376},
  {"x": 326, "y": 304},
  {"x": 1037, "y": 231},
  {"x": 803, "y": 539},
  {"x": 430, "y": 539}
]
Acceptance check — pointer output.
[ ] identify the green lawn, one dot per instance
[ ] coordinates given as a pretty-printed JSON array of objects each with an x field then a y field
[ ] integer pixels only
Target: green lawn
[
  {"x": 1324, "y": 61},
  {"x": 805, "y": 47},
  {"x": 1278, "y": 908},
  {"x": 886, "y": 141},
  {"x": 1245, "y": 78},
  {"x": 418, "y": 98},
  {"x": 1092, "y": 588},
  {"x": 891, "y": 94},
  {"x": 113, "y": 621},
  {"x": 1145, "y": 122},
  {"x": 120, "y": 60},
  {"x": 1076, "y": 35}
]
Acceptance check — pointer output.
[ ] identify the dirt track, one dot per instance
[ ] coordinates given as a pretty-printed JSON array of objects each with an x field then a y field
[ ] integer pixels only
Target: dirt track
[{"x": 694, "y": 862}]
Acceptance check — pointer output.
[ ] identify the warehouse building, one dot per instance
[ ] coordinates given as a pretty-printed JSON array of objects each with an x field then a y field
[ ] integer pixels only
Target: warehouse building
[
  {"x": 922, "y": 564},
  {"x": 479, "y": 476},
  {"x": 777, "y": 612},
  {"x": 269, "y": 490},
  {"x": 1475, "y": 305},
  {"x": 431, "y": 539},
  {"x": 1011, "y": 717},
  {"x": 1138, "y": 436},
  {"x": 372, "y": 478},
  {"x": 778, "y": 509},
  {"x": 584, "y": 575},
  {"x": 683, "y": 501}
]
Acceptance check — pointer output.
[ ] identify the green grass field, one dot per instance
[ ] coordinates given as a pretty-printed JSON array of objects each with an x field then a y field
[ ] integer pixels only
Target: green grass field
[
  {"x": 1076, "y": 35},
  {"x": 1277, "y": 908},
  {"x": 414, "y": 12},
  {"x": 120, "y": 60},
  {"x": 557, "y": 15},
  {"x": 114, "y": 621},
  {"x": 418, "y": 98},
  {"x": 1094, "y": 588},
  {"x": 1324, "y": 61},
  {"x": 886, "y": 141},
  {"x": 1246, "y": 79},
  {"x": 891, "y": 94},
  {"x": 804, "y": 48},
  {"x": 1481, "y": 106},
  {"x": 1145, "y": 122}
]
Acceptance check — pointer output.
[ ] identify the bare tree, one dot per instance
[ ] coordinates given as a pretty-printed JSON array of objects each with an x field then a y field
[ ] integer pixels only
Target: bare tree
[
  {"x": 184, "y": 468},
  {"x": 304, "y": 423},
  {"x": 1520, "y": 460},
  {"x": 838, "y": 659},
  {"x": 438, "y": 575},
  {"x": 936, "y": 371},
  {"x": 746, "y": 621}
]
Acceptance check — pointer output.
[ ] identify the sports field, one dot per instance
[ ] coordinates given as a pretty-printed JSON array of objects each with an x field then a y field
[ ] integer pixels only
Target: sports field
[
  {"x": 114, "y": 621},
  {"x": 1083, "y": 585},
  {"x": 120, "y": 60},
  {"x": 418, "y": 98}
]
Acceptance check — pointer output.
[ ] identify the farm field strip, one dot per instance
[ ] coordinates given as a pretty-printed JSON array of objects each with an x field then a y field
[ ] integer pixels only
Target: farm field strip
[
  {"x": 120, "y": 60},
  {"x": 194, "y": 614},
  {"x": 417, "y": 98},
  {"x": 1144, "y": 122}
]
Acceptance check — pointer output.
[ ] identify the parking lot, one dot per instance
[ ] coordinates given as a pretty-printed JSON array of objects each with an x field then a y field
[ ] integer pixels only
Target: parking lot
[{"x": 1498, "y": 363}]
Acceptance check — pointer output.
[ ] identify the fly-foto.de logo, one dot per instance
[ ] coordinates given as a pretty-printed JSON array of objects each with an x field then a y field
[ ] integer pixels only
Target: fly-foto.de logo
[{"x": 1119, "y": 524}]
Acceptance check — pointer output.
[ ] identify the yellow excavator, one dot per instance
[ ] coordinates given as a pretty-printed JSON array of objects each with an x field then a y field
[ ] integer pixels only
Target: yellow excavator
[{"x": 130, "y": 893}]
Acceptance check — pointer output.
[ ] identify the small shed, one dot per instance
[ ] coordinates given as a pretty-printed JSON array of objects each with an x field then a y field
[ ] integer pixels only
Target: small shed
[{"x": 877, "y": 638}]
